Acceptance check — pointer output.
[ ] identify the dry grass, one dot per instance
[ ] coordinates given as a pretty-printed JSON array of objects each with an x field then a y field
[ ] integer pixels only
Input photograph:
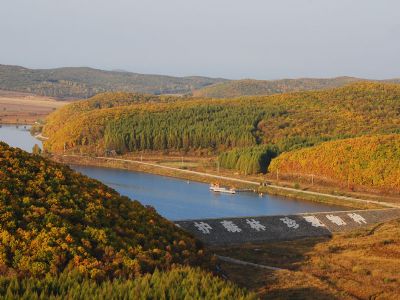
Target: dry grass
[
  {"x": 24, "y": 108},
  {"x": 363, "y": 264}
]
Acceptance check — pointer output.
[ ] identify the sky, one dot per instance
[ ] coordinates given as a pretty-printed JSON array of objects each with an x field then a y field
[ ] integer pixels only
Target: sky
[{"x": 233, "y": 39}]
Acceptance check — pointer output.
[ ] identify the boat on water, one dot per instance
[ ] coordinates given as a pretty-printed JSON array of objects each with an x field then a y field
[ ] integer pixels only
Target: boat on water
[{"x": 219, "y": 189}]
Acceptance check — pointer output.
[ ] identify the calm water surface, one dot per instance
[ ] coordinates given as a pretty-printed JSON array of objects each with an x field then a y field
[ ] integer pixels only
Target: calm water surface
[
  {"x": 18, "y": 136},
  {"x": 176, "y": 199}
]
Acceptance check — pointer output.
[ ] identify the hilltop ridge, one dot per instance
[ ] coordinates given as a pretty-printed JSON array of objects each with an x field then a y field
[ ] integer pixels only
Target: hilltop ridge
[
  {"x": 248, "y": 87},
  {"x": 84, "y": 82},
  {"x": 162, "y": 123}
]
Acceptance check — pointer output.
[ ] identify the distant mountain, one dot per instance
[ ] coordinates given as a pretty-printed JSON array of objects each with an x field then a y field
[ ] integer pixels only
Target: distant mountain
[
  {"x": 247, "y": 87},
  {"x": 82, "y": 82},
  {"x": 86, "y": 82}
]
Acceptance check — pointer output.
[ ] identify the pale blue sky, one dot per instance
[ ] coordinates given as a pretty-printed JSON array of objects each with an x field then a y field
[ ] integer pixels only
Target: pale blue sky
[{"x": 222, "y": 38}]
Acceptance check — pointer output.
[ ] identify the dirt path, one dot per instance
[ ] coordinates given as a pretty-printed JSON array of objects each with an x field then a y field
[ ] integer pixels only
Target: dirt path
[
  {"x": 246, "y": 263},
  {"x": 387, "y": 204}
]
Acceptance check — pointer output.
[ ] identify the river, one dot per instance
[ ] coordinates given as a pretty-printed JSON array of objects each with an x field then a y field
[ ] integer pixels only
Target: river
[{"x": 177, "y": 199}]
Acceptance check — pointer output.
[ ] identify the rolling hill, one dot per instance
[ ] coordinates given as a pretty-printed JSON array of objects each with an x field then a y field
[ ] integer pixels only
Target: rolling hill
[
  {"x": 54, "y": 220},
  {"x": 64, "y": 235},
  {"x": 86, "y": 82},
  {"x": 368, "y": 161},
  {"x": 82, "y": 82},
  {"x": 248, "y": 87},
  {"x": 288, "y": 121}
]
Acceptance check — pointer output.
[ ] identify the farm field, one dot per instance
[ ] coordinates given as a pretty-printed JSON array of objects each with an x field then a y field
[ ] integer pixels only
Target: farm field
[{"x": 25, "y": 108}]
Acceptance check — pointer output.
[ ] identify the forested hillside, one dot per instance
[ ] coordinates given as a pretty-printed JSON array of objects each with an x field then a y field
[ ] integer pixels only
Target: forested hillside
[
  {"x": 287, "y": 121},
  {"x": 369, "y": 161},
  {"x": 54, "y": 219},
  {"x": 64, "y": 235},
  {"x": 86, "y": 82},
  {"x": 252, "y": 87},
  {"x": 71, "y": 112}
]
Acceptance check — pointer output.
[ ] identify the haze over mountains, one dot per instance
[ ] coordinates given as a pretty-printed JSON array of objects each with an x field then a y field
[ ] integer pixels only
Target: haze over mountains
[
  {"x": 248, "y": 87},
  {"x": 83, "y": 82}
]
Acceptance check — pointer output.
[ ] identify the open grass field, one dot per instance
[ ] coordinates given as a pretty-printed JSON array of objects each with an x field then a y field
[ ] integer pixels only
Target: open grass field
[
  {"x": 361, "y": 264},
  {"x": 25, "y": 108}
]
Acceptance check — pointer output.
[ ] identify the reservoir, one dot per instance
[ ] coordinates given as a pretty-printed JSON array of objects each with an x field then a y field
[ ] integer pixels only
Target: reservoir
[
  {"x": 18, "y": 136},
  {"x": 177, "y": 199}
]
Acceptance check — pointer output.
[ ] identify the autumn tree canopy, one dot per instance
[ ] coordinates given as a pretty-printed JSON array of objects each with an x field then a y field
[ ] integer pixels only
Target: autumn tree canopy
[
  {"x": 129, "y": 122},
  {"x": 369, "y": 161},
  {"x": 53, "y": 219}
]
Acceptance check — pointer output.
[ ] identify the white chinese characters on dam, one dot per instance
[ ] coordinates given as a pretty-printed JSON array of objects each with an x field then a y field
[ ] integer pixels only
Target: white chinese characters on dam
[
  {"x": 336, "y": 220},
  {"x": 230, "y": 226},
  {"x": 203, "y": 227},
  {"x": 256, "y": 225},
  {"x": 315, "y": 222},
  {"x": 290, "y": 222},
  {"x": 357, "y": 218}
]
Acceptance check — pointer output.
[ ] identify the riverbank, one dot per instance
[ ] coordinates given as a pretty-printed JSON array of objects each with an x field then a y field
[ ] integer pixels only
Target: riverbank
[{"x": 224, "y": 177}]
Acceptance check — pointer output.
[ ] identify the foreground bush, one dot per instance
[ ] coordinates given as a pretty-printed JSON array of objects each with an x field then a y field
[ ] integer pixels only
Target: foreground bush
[{"x": 179, "y": 283}]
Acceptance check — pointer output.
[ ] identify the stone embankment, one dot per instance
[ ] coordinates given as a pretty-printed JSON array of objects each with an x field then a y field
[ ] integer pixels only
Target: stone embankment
[{"x": 225, "y": 231}]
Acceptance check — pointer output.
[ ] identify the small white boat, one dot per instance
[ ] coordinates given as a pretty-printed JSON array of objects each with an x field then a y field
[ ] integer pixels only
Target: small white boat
[{"x": 218, "y": 189}]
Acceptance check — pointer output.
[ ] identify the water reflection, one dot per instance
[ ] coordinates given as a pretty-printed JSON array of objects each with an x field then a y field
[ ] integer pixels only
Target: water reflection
[{"x": 174, "y": 198}]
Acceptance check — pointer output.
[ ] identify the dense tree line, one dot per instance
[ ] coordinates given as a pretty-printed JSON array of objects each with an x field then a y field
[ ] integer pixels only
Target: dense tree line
[
  {"x": 104, "y": 104},
  {"x": 251, "y": 160},
  {"x": 289, "y": 121},
  {"x": 178, "y": 283},
  {"x": 368, "y": 161},
  {"x": 53, "y": 219},
  {"x": 203, "y": 127}
]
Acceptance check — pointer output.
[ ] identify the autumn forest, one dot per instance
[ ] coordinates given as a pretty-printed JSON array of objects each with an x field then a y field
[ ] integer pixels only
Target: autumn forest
[{"x": 246, "y": 133}]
